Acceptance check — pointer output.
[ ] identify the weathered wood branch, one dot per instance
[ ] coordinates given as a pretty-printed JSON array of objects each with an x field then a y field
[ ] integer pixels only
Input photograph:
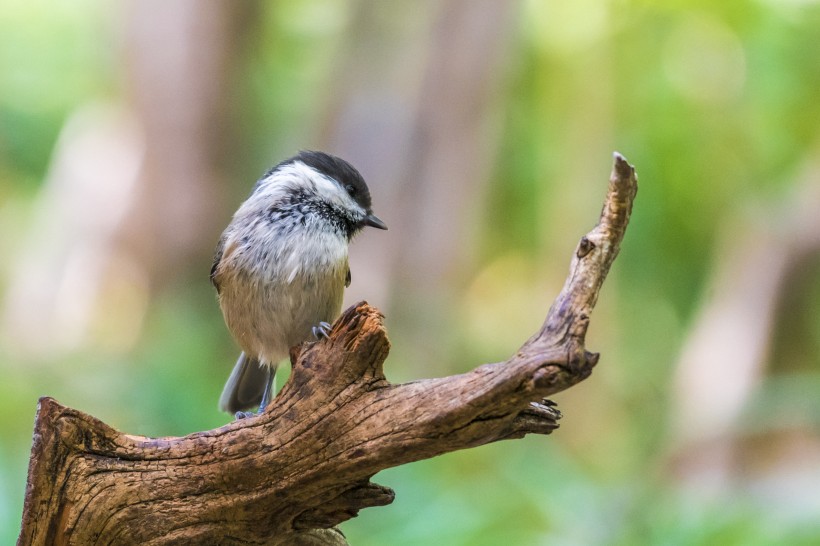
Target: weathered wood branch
[{"x": 289, "y": 475}]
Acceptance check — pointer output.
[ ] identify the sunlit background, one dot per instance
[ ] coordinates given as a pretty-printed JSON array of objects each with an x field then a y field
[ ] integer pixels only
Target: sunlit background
[{"x": 130, "y": 131}]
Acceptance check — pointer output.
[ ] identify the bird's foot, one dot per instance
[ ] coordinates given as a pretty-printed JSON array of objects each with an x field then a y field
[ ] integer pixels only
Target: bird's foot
[
  {"x": 244, "y": 414},
  {"x": 321, "y": 331}
]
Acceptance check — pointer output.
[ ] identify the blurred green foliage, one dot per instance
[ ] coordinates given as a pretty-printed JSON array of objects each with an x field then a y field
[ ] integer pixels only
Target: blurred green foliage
[
  {"x": 717, "y": 103},
  {"x": 51, "y": 61}
]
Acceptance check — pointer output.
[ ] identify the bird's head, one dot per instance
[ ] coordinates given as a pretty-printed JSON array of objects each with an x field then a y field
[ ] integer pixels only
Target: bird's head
[{"x": 314, "y": 187}]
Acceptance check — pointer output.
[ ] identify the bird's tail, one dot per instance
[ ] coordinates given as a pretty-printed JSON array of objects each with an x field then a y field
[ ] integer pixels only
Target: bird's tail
[{"x": 246, "y": 385}]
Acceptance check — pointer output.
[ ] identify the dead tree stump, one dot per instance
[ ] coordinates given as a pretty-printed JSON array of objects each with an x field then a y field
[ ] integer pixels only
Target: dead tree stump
[{"x": 290, "y": 475}]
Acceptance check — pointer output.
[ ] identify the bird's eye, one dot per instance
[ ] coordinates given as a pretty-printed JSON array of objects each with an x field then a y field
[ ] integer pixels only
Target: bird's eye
[{"x": 351, "y": 190}]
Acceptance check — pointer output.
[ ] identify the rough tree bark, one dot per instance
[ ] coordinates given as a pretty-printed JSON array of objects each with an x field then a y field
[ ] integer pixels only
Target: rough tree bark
[{"x": 289, "y": 475}]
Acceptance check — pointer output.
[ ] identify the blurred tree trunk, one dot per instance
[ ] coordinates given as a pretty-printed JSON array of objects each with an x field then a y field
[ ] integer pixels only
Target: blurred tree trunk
[
  {"x": 425, "y": 134},
  {"x": 762, "y": 261},
  {"x": 180, "y": 60}
]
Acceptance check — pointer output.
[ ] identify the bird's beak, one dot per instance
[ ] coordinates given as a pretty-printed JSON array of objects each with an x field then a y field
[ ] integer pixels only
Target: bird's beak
[{"x": 373, "y": 221}]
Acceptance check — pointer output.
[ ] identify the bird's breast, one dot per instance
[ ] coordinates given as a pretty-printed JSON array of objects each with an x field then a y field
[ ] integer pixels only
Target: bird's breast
[{"x": 274, "y": 290}]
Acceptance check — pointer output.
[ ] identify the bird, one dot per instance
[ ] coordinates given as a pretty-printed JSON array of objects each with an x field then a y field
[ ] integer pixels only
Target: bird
[{"x": 281, "y": 266}]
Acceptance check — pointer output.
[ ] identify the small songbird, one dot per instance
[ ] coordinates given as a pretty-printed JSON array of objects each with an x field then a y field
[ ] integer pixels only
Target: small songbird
[{"x": 281, "y": 266}]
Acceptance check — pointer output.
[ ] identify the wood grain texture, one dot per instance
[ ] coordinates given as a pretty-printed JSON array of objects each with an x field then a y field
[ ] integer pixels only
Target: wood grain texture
[{"x": 290, "y": 475}]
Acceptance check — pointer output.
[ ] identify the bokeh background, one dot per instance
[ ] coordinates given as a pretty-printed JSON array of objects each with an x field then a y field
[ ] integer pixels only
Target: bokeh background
[{"x": 130, "y": 131}]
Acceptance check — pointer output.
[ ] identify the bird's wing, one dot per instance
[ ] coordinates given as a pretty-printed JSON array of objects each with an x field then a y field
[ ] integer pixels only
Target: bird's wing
[
  {"x": 220, "y": 247},
  {"x": 224, "y": 248}
]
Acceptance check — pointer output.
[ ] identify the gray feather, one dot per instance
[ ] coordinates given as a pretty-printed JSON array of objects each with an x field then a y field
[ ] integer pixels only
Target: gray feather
[{"x": 244, "y": 388}]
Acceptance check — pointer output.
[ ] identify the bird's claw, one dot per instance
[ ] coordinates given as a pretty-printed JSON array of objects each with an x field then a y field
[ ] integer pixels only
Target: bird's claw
[
  {"x": 321, "y": 331},
  {"x": 244, "y": 414}
]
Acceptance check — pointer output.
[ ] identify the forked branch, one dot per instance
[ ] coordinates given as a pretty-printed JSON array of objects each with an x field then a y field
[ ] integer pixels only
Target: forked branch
[{"x": 291, "y": 474}]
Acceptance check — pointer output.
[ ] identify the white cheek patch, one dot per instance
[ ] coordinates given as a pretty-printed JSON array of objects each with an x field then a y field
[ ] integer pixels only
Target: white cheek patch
[
  {"x": 325, "y": 187},
  {"x": 330, "y": 191}
]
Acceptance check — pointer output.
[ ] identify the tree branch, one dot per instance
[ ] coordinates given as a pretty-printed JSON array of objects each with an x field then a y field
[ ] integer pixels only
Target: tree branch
[{"x": 290, "y": 474}]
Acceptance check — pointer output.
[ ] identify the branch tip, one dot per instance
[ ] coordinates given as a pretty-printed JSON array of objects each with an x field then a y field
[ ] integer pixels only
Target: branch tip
[{"x": 622, "y": 166}]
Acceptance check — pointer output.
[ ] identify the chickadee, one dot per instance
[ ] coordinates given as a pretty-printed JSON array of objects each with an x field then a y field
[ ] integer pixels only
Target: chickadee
[{"x": 281, "y": 266}]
